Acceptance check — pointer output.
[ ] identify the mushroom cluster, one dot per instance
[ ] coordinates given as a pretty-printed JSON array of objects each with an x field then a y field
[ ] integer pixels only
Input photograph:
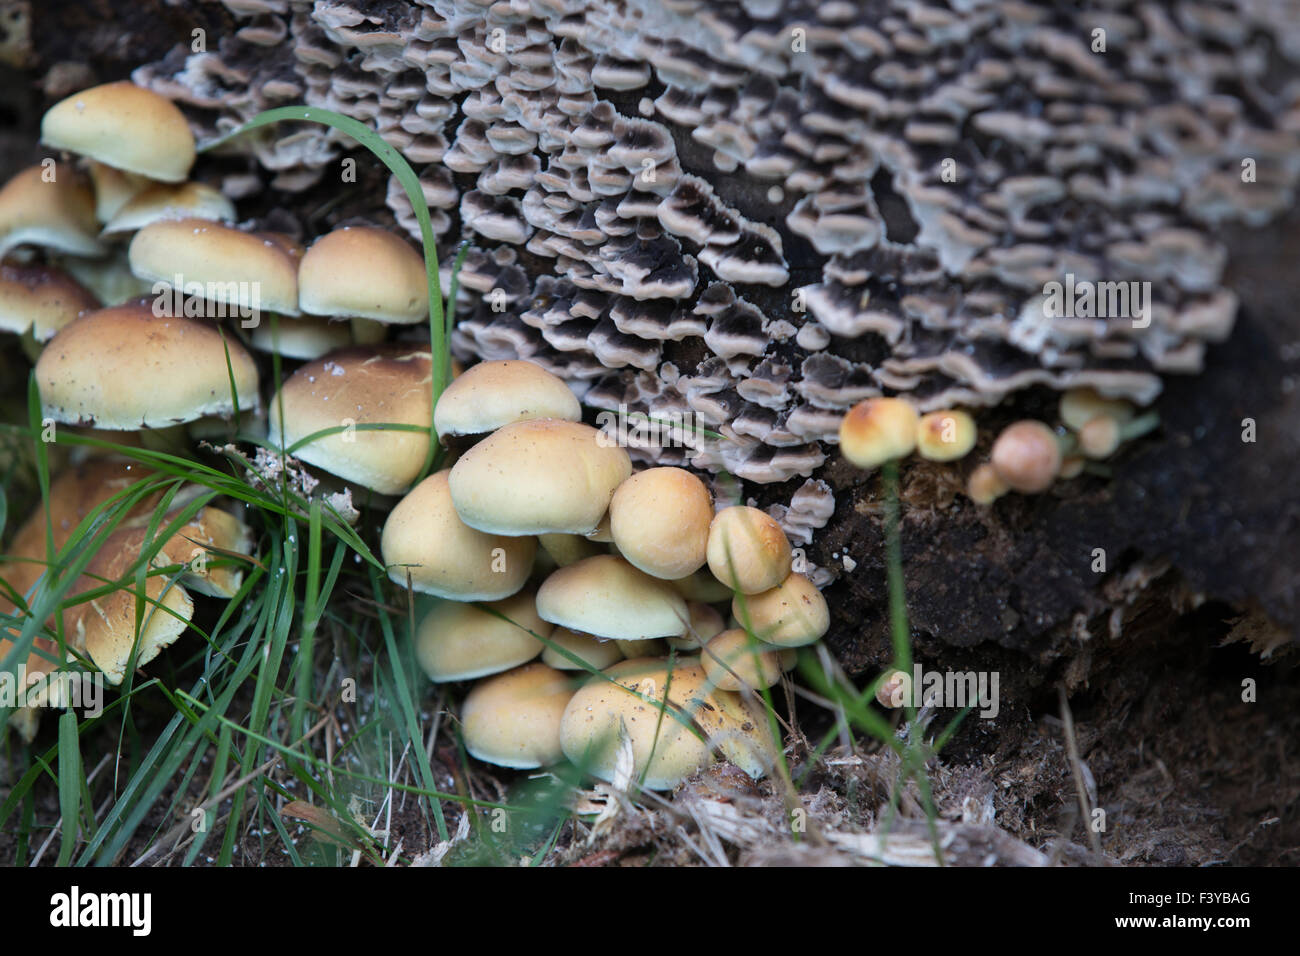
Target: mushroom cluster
[{"x": 540, "y": 541}]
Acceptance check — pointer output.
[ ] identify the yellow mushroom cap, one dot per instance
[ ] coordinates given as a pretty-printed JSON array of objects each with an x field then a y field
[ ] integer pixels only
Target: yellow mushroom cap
[
  {"x": 445, "y": 557},
  {"x": 50, "y": 206},
  {"x": 595, "y": 652},
  {"x": 985, "y": 485},
  {"x": 513, "y": 719},
  {"x": 234, "y": 268},
  {"x": 305, "y": 337},
  {"x": 1079, "y": 405},
  {"x": 1100, "y": 437},
  {"x": 458, "y": 641},
  {"x": 113, "y": 188},
  {"x": 703, "y": 624},
  {"x": 124, "y": 126},
  {"x": 946, "y": 435},
  {"x": 365, "y": 385},
  {"x": 607, "y": 597},
  {"x": 660, "y": 521},
  {"x": 125, "y": 368},
  {"x": 536, "y": 477},
  {"x": 733, "y": 660},
  {"x": 747, "y": 550},
  {"x": 702, "y": 586},
  {"x": 566, "y": 549},
  {"x": 40, "y": 298},
  {"x": 655, "y": 711},
  {"x": 492, "y": 394},
  {"x": 1027, "y": 456},
  {"x": 877, "y": 430},
  {"x": 364, "y": 272},
  {"x": 792, "y": 614},
  {"x": 170, "y": 201}
]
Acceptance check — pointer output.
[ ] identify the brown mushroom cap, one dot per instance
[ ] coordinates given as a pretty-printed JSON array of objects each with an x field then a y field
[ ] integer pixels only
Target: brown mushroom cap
[
  {"x": 373, "y": 385},
  {"x": 985, "y": 485},
  {"x": 124, "y": 126},
  {"x": 792, "y": 614},
  {"x": 733, "y": 660},
  {"x": 168, "y": 201},
  {"x": 463, "y": 641},
  {"x": 607, "y": 597},
  {"x": 1027, "y": 456},
  {"x": 40, "y": 298},
  {"x": 747, "y": 550},
  {"x": 239, "y": 269},
  {"x": 536, "y": 477},
  {"x": 878, "y": 430},
  {"x": 660, "y": 521},
  {"x": 364, "y": 272},
  {"x": 514, "y": 719},
  {"x": 51, "y": 207},
  {"x": 492, "y": 394},
  {"x": 445, "y": 557},
  {"x": 305, "y": 337},
  {"x": 125, "y": 368}
]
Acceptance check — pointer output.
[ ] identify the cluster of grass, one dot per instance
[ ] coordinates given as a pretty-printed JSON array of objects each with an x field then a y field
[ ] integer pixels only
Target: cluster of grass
[{"x": 301, "y": 690}]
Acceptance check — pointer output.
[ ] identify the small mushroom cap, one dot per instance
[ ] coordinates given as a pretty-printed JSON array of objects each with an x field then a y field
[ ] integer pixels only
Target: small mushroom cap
[
  {"x": 492, "y": 394},
  {"x": 702, "y": 586},
  {"x": 305, "y": 337},
  {"x": 364, "y": 272},
  {"x": 732, "y": 660},
  {"x": 895, "y": 690},
  {"x": 235, "y": 268},
  {"x": 945, "y": 435},
  {"x": 1079, "y": 405},
  {"x": 51, "y": 207},
  {"x": 203, "y": 541},
  {"x": 607, "y": 597},
  {"x": 704, "y": 623},
  {"x": 566, "y": 549},
  {"x": 877, "y": 430},
  {"x": 792, "y": 614},
  {"x": 1027, "y": 456},
  {"x": 125, "y": 368},
  {"x": 595, "y": 652},
  {"x": 463, "y": 641},
  {"x": 536, "y": 477},
  {"x": 113, "y": 188},
  {"x": 445, "y": 557},
  {"x": 1100, "y": 437},
  {"x": 747, "y": 550},
  {"x": 985, "y": 485},
  {"x": 124, "y": 126},
  {"x": 42, "y": 299},
  {"x": 514, "y": 719},
  {"x": 660, "y": 521},
  {"x": 360, "y": 386},
  {"x": 630, "y": 699},
  {"x": 166, "y": 201}
]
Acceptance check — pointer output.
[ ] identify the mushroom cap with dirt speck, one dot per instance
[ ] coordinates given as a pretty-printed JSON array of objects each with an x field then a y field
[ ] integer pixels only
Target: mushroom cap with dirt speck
[
  {"x": 592, "y": 650},
  {"x": 607, "y": 597},
  {"x": 458, "y": 641},
  {"x": 945, "y": 435},
  {"x": 52, "y": 207},
  {"x": 747, "y": 550},
  {"x": 792, "y": 614},
  {"x": 166, "y": 201},
  {"x": 660, "y": 521},
  {"x": 445, "y": 557},
  {"x": 490, "y": 395},
  {"x": 1027, "y": 456},
  {"x": 363, "y": 385},
  {"x": 125, "y": 368},
  {"x": 877, "y": 430},
  {"x": 237, "y": 269},
  {"x": 40, "y": 298},
  {"x": 734, "y": 660},
  {"x": 654, "y": 707},
  {"x": 537, "y": 477},
  {"x": 514, "y": 719},
  {"x": 364, "y": 272},
  {"x": 124, "y": 126}
]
